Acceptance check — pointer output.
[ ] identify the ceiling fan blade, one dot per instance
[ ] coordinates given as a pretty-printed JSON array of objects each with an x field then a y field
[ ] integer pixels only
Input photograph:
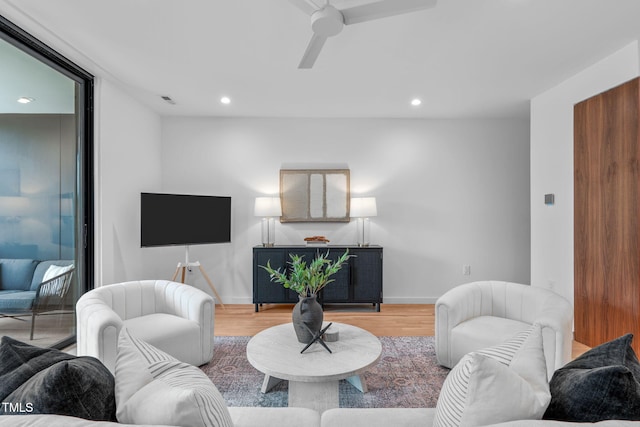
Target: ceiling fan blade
[
  {"x": 383, "y": 8},
  {"x": 307, "y": 6},
  {"x": 313, "y": 50}
]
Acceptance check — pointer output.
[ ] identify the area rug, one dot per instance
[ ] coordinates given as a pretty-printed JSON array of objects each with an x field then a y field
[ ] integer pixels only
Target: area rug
[{"x": 406, "y": 376}]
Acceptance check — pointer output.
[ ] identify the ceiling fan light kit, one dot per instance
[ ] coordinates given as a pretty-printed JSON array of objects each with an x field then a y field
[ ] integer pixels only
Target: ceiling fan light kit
[{"x": 327, "y": 21}]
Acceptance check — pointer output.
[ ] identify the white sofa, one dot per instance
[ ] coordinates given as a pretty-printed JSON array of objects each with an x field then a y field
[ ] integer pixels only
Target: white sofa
[
  {"x": 423, "y": 417},
  {"x": 483, "y": 314},
  {"x": 296, "y": 417},
  {"x": 173, "y": 317},
  {"x": 242, "y": 417}
]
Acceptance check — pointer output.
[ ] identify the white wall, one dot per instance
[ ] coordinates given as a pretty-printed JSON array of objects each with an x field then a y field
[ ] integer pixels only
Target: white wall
[
  {"x": 552, "y": 166},
  {"x": 127, "y": 162},
  {"x": 449, "y": 193}
]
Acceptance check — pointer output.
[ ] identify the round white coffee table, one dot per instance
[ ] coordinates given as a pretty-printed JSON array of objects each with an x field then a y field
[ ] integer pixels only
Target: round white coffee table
[{"x": 313, "y": 375}]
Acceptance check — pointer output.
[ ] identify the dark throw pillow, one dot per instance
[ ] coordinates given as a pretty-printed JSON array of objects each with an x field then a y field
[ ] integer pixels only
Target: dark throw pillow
[
  {"x": 20, "y": 361},
  {"x": 602, "y": 384},
  {"x": 80, "y": 387},
  {"x": 34, "y": 380}
]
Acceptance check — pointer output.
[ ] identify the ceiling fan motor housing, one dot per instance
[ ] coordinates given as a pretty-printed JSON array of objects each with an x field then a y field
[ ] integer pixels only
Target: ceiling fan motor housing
[{"x": 327, "y": 21}]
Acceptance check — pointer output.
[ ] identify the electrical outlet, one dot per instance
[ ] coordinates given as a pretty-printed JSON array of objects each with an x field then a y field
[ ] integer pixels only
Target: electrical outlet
[{"x": 466, "y": 270}]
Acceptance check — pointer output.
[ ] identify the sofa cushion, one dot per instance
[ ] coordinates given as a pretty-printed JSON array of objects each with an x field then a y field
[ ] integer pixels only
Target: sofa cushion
[
  {"x": 16, "y": 301},
  {"x": 153, "y": 387},
  {"x": 48, "y": 381},
  {"x": 481, "y": 332},
  {"x": 497, "y": 384},
  {"x": 172, "y": 334},
  {"x": 602, "y": 384},
  {"x": 370, "y": 417},
  {"x": 280, "y": 417},
  {"x": 56, "y": 421},
  {"x": 16, "y": 274}
]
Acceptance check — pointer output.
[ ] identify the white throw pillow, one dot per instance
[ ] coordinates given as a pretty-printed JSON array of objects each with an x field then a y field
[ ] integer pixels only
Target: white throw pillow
[
  {"x": 55, "y": 287},
  {"x": 153, "y": 387},
  {"x": 498, "y": 384}
]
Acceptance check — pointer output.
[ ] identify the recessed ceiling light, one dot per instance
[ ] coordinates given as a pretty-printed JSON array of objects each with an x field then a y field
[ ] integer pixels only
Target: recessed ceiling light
[
  {"x": 25, "y": 100},
  {"x": 415, "y": 102},
  {"x": 225, "y": 100}
]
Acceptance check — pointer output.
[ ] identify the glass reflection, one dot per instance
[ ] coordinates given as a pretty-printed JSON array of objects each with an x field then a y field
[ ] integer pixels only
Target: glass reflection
[{"x": 38, "y": 181}]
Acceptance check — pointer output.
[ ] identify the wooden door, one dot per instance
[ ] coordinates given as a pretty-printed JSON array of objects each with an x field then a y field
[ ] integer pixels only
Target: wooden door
[{"x": 606, "y": 207}]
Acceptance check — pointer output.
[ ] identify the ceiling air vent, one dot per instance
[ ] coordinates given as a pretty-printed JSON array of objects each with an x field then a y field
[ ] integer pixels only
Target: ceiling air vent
[{"x": 168, "y": 99}]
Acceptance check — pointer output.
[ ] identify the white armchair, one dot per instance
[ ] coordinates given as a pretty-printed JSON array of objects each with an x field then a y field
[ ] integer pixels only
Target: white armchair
[
  {"x": 173, "y": 317},
  {"x": 482, "y": 314}
]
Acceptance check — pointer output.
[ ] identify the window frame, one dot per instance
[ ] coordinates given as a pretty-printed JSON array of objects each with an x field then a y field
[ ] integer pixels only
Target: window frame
[{"x": 85, "y": 251}]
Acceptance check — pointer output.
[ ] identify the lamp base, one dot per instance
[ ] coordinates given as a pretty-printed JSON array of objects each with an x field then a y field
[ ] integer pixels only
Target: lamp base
[
  {"x": 268, "y": 232},
  {"x": 363, "y": 225}
]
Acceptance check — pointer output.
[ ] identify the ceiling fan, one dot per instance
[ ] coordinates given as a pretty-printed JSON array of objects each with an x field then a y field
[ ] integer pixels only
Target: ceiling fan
[{"x": 327, "y": 21}]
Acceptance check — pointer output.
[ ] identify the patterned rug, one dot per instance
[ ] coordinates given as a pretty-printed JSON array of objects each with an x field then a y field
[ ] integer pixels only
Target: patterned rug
[{"x": 406, "y": 376}]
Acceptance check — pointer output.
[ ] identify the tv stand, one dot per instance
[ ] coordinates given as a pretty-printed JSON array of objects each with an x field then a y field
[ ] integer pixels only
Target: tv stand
[{"x": 187, "y": 265}]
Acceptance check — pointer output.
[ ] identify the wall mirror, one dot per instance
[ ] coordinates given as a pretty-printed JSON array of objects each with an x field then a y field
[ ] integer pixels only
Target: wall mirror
[{"x": 314, "y": 195}]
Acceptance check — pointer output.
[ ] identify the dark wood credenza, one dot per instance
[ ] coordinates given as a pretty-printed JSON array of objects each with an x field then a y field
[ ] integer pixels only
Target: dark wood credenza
[{"x": 358, "y": 281}]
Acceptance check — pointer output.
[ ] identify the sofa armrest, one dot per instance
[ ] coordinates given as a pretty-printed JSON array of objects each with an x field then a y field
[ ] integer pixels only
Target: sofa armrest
[
  {"x": 454, "y": 307},
  {"x": 98, "y": 335},
  {"x": 56, "y": 287},
  {"x": 556, "y": 319},
  {"x": 194, "y": 304}
]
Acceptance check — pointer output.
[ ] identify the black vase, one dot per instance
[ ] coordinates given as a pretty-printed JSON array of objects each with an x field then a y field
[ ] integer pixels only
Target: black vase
[{"x": 307, "y": 318}]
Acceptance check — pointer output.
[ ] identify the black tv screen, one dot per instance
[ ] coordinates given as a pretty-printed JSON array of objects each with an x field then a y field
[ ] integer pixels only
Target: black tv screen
[{"x": 181, "y": 219}]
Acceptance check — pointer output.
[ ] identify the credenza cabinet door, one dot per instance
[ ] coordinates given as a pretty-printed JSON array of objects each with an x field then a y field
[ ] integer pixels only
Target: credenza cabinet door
[
  {"x": 264, "y": 290},
  {"x": 338, "y": 290},
  {"x": 367, "y": 276}
]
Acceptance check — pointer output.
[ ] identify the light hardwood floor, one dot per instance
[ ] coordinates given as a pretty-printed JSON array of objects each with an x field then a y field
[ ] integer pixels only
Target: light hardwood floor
[{"x": 392, "y": 320}]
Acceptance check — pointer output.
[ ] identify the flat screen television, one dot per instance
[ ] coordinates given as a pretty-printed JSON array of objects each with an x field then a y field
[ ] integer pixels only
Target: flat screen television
[{"x": 182, "y": 219}]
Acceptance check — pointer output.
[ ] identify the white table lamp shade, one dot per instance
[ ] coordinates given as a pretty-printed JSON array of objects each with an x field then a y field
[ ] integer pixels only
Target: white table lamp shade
[
  {"x": 267, "y": 207},
  {"x": 363, "y": 207}
]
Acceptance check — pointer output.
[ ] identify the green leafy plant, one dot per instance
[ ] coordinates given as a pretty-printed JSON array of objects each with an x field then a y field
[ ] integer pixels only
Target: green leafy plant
[{"x": 307, "y": 279}]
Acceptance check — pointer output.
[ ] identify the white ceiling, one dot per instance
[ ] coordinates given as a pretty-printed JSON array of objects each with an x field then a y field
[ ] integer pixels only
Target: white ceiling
[
  {"x": 464, "y": 58},
  {"x": 21, "y": 75}
]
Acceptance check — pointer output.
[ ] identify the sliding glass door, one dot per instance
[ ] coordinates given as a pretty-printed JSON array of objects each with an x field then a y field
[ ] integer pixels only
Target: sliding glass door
[{"x": 45, "y": 189}]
